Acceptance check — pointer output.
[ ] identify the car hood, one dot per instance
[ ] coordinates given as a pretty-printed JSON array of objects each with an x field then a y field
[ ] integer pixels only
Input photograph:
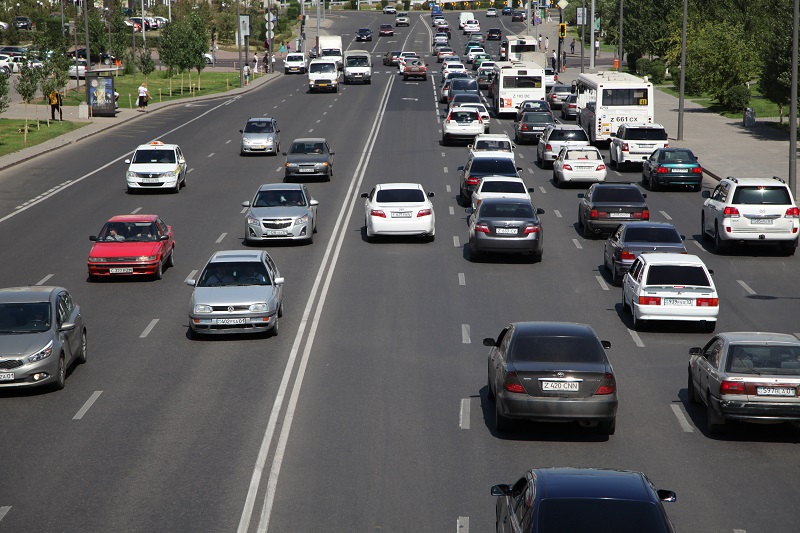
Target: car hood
[
  {"x": 233, "y": 294},
  {"x": 259, "y": 136},
  {"x": 16, "y": 344},
  {"x": 306, "y": 158},
  {"x": 152, "y": 168},
  {"x": 125, "y": 249},
  {"x": 278, "y": 212}
]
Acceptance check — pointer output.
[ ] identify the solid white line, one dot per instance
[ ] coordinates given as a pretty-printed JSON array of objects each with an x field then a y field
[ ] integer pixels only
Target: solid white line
[
  {"x": 665, "y": 215},
  {"x": 685, "y": 425},
  {"x": 228, "y": 141},
  {"x": 456, "y": 242},
  {"x": 149, "y": 328},
  {"x": 191, "y": 275},
  {"x": 452, "y": 210},
  {"x": 136, "y": 210},
  {"x": 447, "y": 188},
  {"x": 745, "y": 286},
  {"x": 602, "y": 282},
  {"x": 577, "y": 244},
  {"x": 739, "y": 531},
  {"x": 95, "y": 395},
  {"x": 211, "y": 154},
  {"x": 219, "y": 240},
  {"x": 462, "y": 280},
  {"x": 636, "y": 338},
  {"x": 557, "y": 212},
  {"x": 465, "y": 334},
  {"x": 544, "y": 191},
  {"x": 44, "y": 279},
  {"x": 4, "y": 510},
  {"x": 462, "y": 524},
  {"x": 463, "y": 414}
]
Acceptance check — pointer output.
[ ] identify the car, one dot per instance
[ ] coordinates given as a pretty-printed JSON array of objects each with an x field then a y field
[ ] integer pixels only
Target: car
[
  {"x": 389, "y": 10},
  {"x": 309, "y": 157},
  {"x": 442, "y": 52},
  {"x": 104, "y": 58},
  {"x": 450, "y": 59},
  {"x": 550, "y": 78},
  {"x": 4, "y": 25},
  {"x": 42, "y": 333},
  {"x": 746, "y": 376},
  {"x": 23, "y": 23},
  {"x": 402, "y": 19},
  {"x": 8, "y": 65},
  {"x": 144, "y": 23},
  {"x": 557, "y": 94},
  {"x": 156, "y": 165},
  {"x": 554, "y": 138},
  {"x": 405, "y": 56},
  {"x": 482, "y": 164},
  {"x": 471, "y": 26},
  {"x": 453, "y": 66},
  {"x": 437, "y": 20},
  {"x": 444, "y": 27},
  {"x": 209, "y": 58},
  {"x": 470, "y": 46},
  {"x": 491, "y": 12},
  {"x": 461, "y": 124},
  {"x": 500, "y": 187},
  {"x": 551, "y": 372},
  {"x": 238, "y": 291},
  {"x": 569, "y": 108},
  {"x": 441, "y": 38},
  {"x": 294, "y": 62},
  {"x": 363, "y": 34},
  {"x": 672, "y": 166},
  {"x": 77, "y": 69},
  {"x": 484, "y": 76},
  {"x": 507, "y": 10},
  {"x": 532, "y": 105},
  {"x": 582, "y": 499},
  {"x": 750, "y": 210},
  {"x": 385, "y": 30},
  {"x": 464, "y": 85},
  {"x": 135, "y": 26},
  {"x": 415, "y": 68},
  {"x": 280, "y": 211},
  {"x": 518, "y": 16},
  {"x": 494, "y": 142},
  {"x": 631, "y": 239},
  {"x": 438, "y": 46},
  {"x": 399, "y": 209},
  {"x": 312, "y": 54},
  {"x": 482, "y": 111},
  {"x": 578, "y": 164},
  {"x": 131, "y": 245},
  {"x": 531, "y": 125},
  {"x": 390, "y": 58},
  {"x": 260, "y": 135},
  {"x": 466, "y": 98},
  {"x": 494, "y": 34},
  {"x": 478, "y": 59},
  {"x": 14, "y": 50},
  {"x": 473, "y": 52},
  {"x": 477, "y": 37},
  {"x": 607, "y": 205},
  {"x": 633, "y": 143}
]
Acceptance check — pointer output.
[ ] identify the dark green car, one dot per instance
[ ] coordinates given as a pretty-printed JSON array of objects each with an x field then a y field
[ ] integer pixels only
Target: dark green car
[{"x": 672, "y": 166}]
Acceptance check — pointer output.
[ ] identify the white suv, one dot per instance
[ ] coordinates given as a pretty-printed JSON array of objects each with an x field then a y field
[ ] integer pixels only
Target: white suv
[
  {"x": 156, "y": 166},
  {"x": 750, "y": 209},
  {"x": 461, "y": 123}
]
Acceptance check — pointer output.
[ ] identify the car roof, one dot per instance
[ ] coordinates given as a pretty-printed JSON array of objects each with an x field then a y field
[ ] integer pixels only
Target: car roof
[
  {"x": 310, "y": 140},
  {"x": 648, "y": 224},
  {"x": 592, "y": 483},
  {"x": 280, "y": 187},
  {"x": 644, "y": 126},
  {"x": 156, "y": 145},
  {"x": 26, "y": 294},
  {"x": 505, "y": 201},
  {"x": 133, "y": 218},
  {"x": 493, "y": 137},
  {"x": 759, "y": 337},
  {"x": 559, "y": 126},
  {"x": 486, "y": 179},
  {"x": 260, "y": 119},
  {"x": 388, "y": 186},
  {"x": 560, "y": 329},
  {"x": 227, "y": 256},
  {"x": 672, "y": 259},
  {"x": 492, "y": 154},
  {"x": 754, "y": 181}
]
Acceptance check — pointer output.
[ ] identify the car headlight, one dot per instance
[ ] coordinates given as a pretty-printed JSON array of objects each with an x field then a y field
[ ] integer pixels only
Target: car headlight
[
  {"x": 325, "y": 164},
  {"x": 291, "y": 165},
  {"x": 131, "y": 174},
  {"x": 253, "y": 221},
  {"x": 245, "y": 140},
  {"x": 97, "y": 259},
  {"x": 202, "y": 308},
  {"x": 302, "y": 220},
  {"x": 41, "y": 354},
  {"x": 147, "y": 258},
  {"x": 171, "y": 173},
  {"x": 269, "y": 140},
  {"x": 258, "y": 308}
]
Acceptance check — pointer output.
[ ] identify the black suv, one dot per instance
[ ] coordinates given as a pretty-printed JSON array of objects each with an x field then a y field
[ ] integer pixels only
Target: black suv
[{"x": 494, "y": 34}]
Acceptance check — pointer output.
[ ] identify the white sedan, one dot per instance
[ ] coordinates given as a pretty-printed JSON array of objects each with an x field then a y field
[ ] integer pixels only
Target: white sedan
[
  {"x": 472, "y": 26},
  {"x": 453, "y": 66},
  {"x": 462, "y": 123},
  {"x": 399, "y": 209},
  {"x": 500, "y": 187},
  {"x": 579, "y": 164},
  {"x": 405, "y": 56}
]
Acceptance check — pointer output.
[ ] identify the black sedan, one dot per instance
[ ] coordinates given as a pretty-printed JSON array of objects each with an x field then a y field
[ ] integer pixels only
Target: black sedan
[
  {"x": 550, "y": 500},
  {"x": 551, "y": 372},
  {"x": 309, "y": 158},
  {"x": 607, "y": 205},
  {"x": 532, "y": 105},
  {"x": 531, "y": 126},
  {"x": 494, "y": 34},
  {"x": 506, "y": 225},
  {"x": 672, "y": 166},
  {"x": 363, "y": 34},
  {"x": 635, "y": 238}
]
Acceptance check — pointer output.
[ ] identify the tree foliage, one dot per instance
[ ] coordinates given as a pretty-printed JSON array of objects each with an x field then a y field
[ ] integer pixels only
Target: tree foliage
[
  {"x": 776, "y": 56},
  {"x": 5, "y": 100},
  {"x": 145, "y": 62}
]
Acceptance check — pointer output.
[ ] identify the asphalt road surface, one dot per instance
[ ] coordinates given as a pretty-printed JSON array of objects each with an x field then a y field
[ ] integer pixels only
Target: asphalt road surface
[{"x": 369, "y": 411}]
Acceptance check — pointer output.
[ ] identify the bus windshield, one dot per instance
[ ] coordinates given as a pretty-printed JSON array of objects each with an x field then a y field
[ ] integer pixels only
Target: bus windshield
[
  {"x": 522, "y": 82},
  {"x": 625, "y": 97}
]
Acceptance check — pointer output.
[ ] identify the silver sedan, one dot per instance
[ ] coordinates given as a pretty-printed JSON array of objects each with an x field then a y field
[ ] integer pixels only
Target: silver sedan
[
  {"x": 260, "y": 135},
  {"x": 282, "y": 211},
  {"x": 506, "y": 225}
]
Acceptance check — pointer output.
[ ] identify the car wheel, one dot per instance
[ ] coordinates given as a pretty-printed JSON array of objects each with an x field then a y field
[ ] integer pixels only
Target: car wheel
[
  {"x": 788, "y": 247},
  {"x": 587, "y": 232},
  {"x": 625, "y": 307},
  {"x": 177, "y": 188},
  {"x": 501, "y": 423},
  {"x": 703, "y": 234},
  {"x": 607, "y": 427},
  {"x": 61, "y": 374},
  {"x": 84, "y": 354},
  {"x": 653, "y": 185},
  {"x": 556, "y": 181},
  {"x": 489, "y": 391},
  {"x": 614, "y": 275},
  {"x": 539, "y": 159},
  {"x": 537, "y": 256},
  {"x": 171, "y": 258},
  {"x": 709, "y": 326},
  {"x": 131, "y": 190},
  {"x": 275, "y": 329},
  {"x": 159, "y": 271},
  {"x": 716, "y": 424},
  {"x": 691, "y": 391},
  {"x": 638, "y": 323},
  {"x": 720, "y": 246},
  {"x": 280, "y": 310},
  {"x": 445, "y": 142}
]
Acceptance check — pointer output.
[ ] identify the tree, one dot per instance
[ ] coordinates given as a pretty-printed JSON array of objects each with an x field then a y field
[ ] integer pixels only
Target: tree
[
  {"x": 145, "y": 62},
  {"x": 5, "y": 101},
  {"x": 26, "y": 85},
  {"x": 776, "y": 75}
]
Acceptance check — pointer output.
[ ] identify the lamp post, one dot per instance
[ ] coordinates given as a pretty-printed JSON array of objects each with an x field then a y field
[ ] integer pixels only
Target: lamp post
[
  {"x": 239, "y": 44},
  {"x": 793, "y": 104},
  {"x": 621, "y": 2},
  {"x": 108, "y": 25},
  {"x": 682, "y": 84}
]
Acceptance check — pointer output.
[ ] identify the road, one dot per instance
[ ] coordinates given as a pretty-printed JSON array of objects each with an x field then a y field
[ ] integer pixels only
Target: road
[{"x": 369, "y": 411}]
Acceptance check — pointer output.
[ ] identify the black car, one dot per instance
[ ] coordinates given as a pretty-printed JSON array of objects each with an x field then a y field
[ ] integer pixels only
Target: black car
[
  {"x": 479, "y": 166},
  {"x": 532, "y": 105},
  {"x": 607, "y": 205},
  {"x": 494, "y": 34},
  {"x": 507, "y": 10},
  {"x": 505, "y": 225},
  {"x": 551, "y": 372},
  {"x": 363, "y": 34},
  {"x": 312, "y": 54},
  {"x": 672, "y": 166},
  {"x": 550, "y": 500},
  {"x": 309, "y": 158},
  {"x": 635, "y": 238},
  {"x": 14, "y": 51},
  {"x": 23, "y": 23},
  {"x": 530, "y": 127}
]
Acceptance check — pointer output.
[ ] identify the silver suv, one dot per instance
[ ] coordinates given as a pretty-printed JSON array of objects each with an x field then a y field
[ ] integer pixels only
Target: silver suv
[
  {"x": 750, "y": 210},
  {"x": 556, "y": 137}
]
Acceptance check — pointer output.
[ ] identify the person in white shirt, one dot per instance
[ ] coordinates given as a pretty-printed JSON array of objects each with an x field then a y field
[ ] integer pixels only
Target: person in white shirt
[{"x": 144, "y": 96}]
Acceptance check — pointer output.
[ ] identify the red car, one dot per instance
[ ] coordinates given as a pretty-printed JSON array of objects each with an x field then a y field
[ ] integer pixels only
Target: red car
[
  {"x": 132, "y": 245},
  {"x": 386, "y": 30}
]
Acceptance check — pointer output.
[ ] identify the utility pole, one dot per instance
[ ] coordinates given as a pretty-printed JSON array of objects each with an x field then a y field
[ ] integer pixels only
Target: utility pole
[
  {"x": 86, "y": 27},
  {"x": 682, "y": 84},
  {"x": 793, "y": 104},
  {"x": 583, "y": 30},
  {"x": 619, "y": 55},
  {"x": 559, "y": 63},
  {"x": 591, "y": 38},
  {"x": 144, "y": 33},
  {"x": 239, "y": 43}
]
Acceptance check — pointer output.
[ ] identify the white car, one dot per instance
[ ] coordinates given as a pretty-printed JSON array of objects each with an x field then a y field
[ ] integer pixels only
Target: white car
[
  {"x": 156, "y": 166},
  {"x": 399, "y": 209},
  {"x": 483, "y": 112},
  {"x": 461, "y": 123},
  {"x": 494, "y": 142},
  {"x": 500, "y": 187},
  {"x": 4, "y": 25},
  {"x": 441, "y": 38},
  {"x": 491, "y": 12},
  {"x": 294, "y": 63},
  {"x": 7, "y": 65},
  {"x": 402, "y": 20},
  {"x": 79, "y": 70},
  {"x": 471, "y": 26},
  {"x": 389, "y": 10},
  {"x": 453, "y": 66},
  {"x": 579, "y": 164},
  {"x": 473, "y": 52},
  {"x": 670, "y": 286}
]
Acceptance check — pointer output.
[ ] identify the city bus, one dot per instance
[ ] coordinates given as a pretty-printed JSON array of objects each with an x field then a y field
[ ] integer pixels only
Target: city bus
[
  {"x": 512, "y": 47},
  {"x": 513, "y": 82},
  {"x": 607, "y": 100}
]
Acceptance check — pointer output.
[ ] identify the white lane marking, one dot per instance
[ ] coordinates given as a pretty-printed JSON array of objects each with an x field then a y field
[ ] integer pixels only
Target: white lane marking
[
  {"x": 136, "y": 210},
  {"x": 274, "y": 107},
  {"x": 330, "y": 105},
  {"x": 452, "y": 210},
  {"x": 219, "y": 240},
  {"x": 447, "y": 188},
  {"x": 697, "y": 243},
  {"x": 796, "y": 335},
  {"x": 318, "y": 120},
  {"x": 462, "y": 524},
  {"x": 443, "y": 154},
  {"x": 456, "y": 242},
  {"x": 602, "y": 282},
  {"x": 530, "y": 170},
  {"x": 191, "y": 275},
  {"x": 521, "y": 155},
  {"x": 149, "y": 328},
  {"x": 211, "y": 154},
  {"x": 312, "y": 129},
  {"x": 229, "y": 140},
  {"x": 244, "y": 210},
  {"x": 324, "y": 113},
  {"x": 445, "y": 170},
  {"x": 636, "y": 338},
  {"x": 544, "y": 191},
  {"x": 557, "y": 212},
  {"x": 4, "y": 510},
  {"x": 463, "y": 414},
  {"x": 93, "y": 398},
  {"x": 190, "y": 170},
  {"x": 46, "y": 194},
  {"x": 577, "y": 244},
  {"x": 462, "y": 280},
  {"x": 739, "y": 531},
  {"x": 282, "y": 101},
  {"x": 685, "y": 425},
  {"x": 44, "y": 279},
  {"x": 278, "y": 169},
  {"x": 745, "y": 286},
  {"x": 465, "y": 334},
  {"x": 665, "y": 215}
]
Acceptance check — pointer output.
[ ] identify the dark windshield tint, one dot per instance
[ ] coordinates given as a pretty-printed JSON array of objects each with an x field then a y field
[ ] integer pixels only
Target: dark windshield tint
[
  {"x": 538, "y": 118},
  {"x": 761, "y": 195},
  {"x": 259, "y": 127},
  {"x": 24, "y": 317},
  {"x": 464, "y": 116},
  {"x": 464, "y": 84},
  {"x": 234, "y": 273},
  {"x": 493, "y": 145},
  {"x": 357, "y": 61},
  {"x": 624, "y": 97},
  {"x": 154, "y": 156},
  {"x": 618, "y": 194},
  {"x": 634, "y": 234},
  {"x": 677, "y": 275},
  {"x": 646, "y": 134},
  {"x": 568, "y": 135},
  {"x": 308, "y": 148},
  {"x": 272, "y": 198},
  {"x": 599, "y": 516},
  {"x": 491, "y": 165},
  {"x": 509, "y": 211},
  {"x": 402, "y": 196},
  {"x": 503, "y": 186},
  {"x": 774, "y": 359},
  {"x": 542, "y": 348},
  {"x": 129, "y": 232}
]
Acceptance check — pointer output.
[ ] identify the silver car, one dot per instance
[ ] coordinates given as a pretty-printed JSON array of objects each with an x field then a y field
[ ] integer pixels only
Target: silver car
[
  {"x": 280, "y": 211},
  {"x": 41, "y": 335},
  {"x": 260, "y": 135},
  {"x": 238, "y": 291},
  {"x": 506, "y": 225}
]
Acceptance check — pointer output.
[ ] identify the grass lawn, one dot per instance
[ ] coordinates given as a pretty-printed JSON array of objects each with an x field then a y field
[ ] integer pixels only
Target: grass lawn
[
  {"x": 763, "y": 107},
  {"x": 11, "y": 140}
]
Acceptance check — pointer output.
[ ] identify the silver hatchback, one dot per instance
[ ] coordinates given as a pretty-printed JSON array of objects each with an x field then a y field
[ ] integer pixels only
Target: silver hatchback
[{"x": 260, "y": 136}]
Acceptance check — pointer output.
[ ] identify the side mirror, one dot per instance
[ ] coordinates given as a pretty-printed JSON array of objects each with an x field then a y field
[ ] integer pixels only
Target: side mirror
[
  {"x": 313, "y": 202},
  {"x": 695, "y": 350},
  {"x": 93, "y": 238},
  {"x": 127, "y": 161},
  {"x": 666, "y": 495},
  {"x": 469, "y": 146},
  {"x": 539, "y": 211},
  {"x": 683, "y": 237},
  {"x": 644, "y": 195},
  {"x": 246, "y": 204},
  {"x": 519, "y": 169},
  {"x": 606, "y": 344},
  {"x": 488, "y": 341},
  {"x": 500, "y": 490},
  {"x": 278, "y": 281},
  {"x": 163, "y": 238},
  {"x": 710, "y": 271},
  {"x": 531, "y": 189},
  {"x": 190, "y": 282},
  {"x": 431, "y": 194},
  {"x": 705, "y": 194},
  {"x": 241, "y": 131},
  {"x": 277, "y": 131},
  {"x": 461, "y": 168},
  {"x": 364, "y": 195},
  {"x": 181, "y": 161},
  {"x": 67, "y": 326}
]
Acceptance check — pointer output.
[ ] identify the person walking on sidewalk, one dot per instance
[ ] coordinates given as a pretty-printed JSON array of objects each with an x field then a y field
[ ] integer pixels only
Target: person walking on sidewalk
[
  {"x": 596, "y": 47},
  {"x": 554, "y": 61},
  {"x": 144, "y": 96},
  {"x": 563, "y": 61},
  {"x": 255, "y": 64},
  {"x": 546, "y": 44},
  {"x": 540, "y": 44},
  {"x": 572, "y": 46},
  {"x": 283, "y": 49},
  {"x": 55, "y": 105},
  {"x": 246, "y": 72}
]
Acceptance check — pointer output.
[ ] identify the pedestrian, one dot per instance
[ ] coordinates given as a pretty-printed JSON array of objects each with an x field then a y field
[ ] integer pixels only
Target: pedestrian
[
  {"x": 554, "y": 61},
  {"x": 55, "y": 105},
  {"x": 596, "y": 47},
  {"x": 116, "y": 99},
  {"x": 546, "y": 44},
  {"x": 283, "y": 49},
  {"x": 572, "y": 46},
  {"x": 564, "y": 61},
  {"x": 549, "y": 18},
  {"x": 266, "y": 44},
  {"x": 540, "y": 43},
  {"x": 144, "y": 96},
  {"x": 255, "y": 64},
  {"x": 246, "y": 72},
  {"x": 288, "y": 48}
]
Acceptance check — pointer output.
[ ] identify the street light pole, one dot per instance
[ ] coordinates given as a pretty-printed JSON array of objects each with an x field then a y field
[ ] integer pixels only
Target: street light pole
[
  {"x": 793, "y": 104},
  {"x": 682, "y": 85},
  {"x": 591, "y": 38},
  {"x": 583, "y": 31},
  {"x": 239, "y": 43},
  {"x": 621, "y": 2}
]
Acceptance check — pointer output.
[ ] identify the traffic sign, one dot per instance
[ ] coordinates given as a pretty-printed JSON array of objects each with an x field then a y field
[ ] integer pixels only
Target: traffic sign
[
  {"x": 563, "y": 4},
  {"x": 270, "y": 25},
  {"x": 270, "y": 34},
  {"x": 267, "y": 16}
]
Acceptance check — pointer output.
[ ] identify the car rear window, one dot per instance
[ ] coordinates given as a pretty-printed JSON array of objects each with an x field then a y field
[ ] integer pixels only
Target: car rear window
[
  {"x": 760, "y": 359},
  {"x": 762, "y": 194},
  {"x": 677, "y": 275},
  {"x": 516, "y": 211},
  {"x": 503, "y": 186},
  {"x": 536, "y": 105},
  {"x": 599, "y": 516},
  {"x": 465, "y": 84},
  {"x": 464, "y": 116},
  {"x": 557, "y": 349},
  {"x": 646, "y": 134},
  {"x": 568, "y": 135},
  {"x": 591, "y": 155},
  {"x": 491, "y": 165},
  {"x": 670, "y": 235},
  {"x": 504, "y": 146},
  {"x": 678, "y": 155},
  {"x": 394, "y": 196},
  {"x": 538, "y": 118},
  {"x": 618, "y": 194},
  {"x": 467, "y": 98}
]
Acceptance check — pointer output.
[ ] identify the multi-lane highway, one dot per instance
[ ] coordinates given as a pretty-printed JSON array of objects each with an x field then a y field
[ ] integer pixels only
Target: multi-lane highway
[{"x": 369, "y": 411}]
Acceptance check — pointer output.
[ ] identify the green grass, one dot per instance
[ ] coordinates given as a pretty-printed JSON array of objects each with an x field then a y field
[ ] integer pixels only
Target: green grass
[
  {"x": 11, "y": 140},
  {"x": 762, "y": 107}
]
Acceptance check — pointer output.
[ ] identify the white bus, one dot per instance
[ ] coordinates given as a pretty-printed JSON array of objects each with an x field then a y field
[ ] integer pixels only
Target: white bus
[
  {"x": 607, "y": 100},
  {"x": 513, "y": 46},
  {"x": 513, "y": 82}
]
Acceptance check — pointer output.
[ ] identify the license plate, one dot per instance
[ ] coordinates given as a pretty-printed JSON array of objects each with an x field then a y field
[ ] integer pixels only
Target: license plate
[
  {"x": 583, "y": 168},
  {"x": 560, "y": 386},
  {"x": 506, "y": 231},
  {"x": 7, "y": 376},
  {"x": 306, "y": 170},
  {"x": 126, "y": 270},
  {"x": 258, "y": 146},
  {"x": 229, "y": 321},
  {"x": 776, "y": 391},
  {"x": 765, "y": 221},
  {"x": 619, "y": 215},
  {"x": 680, "y": 170},
  {"x": 323, "y": 84},
  {"x": 396, "y": 214},
  {"x": 677, "y": 301},
  {"x": 151, "y": 180},
  {"x": 274, "y": 232}
]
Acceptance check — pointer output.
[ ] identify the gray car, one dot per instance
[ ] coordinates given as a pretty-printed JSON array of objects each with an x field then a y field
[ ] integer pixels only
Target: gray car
[
  {"x": 238, "y": 291},
  {"x": 41, "y": 335},
  {"x": 554, "y": 138},
  {"x": 635, "y": 238},
  {"x": 506, "y": 225},
  {"x": 260, "y": 135},
  {"x": 531, "y": 126},
  {"x": 607, "y": 205},
  {"x": 280, "y": 211},
  {"x": 309, "y": 158}
]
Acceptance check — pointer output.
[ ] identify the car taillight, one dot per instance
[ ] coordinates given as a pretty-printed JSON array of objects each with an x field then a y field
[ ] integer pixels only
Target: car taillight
[
  {"x": 512, "y": 383},
  {"x": 707, "y": 302},
  {"x": 377, "y": 213},
  {"x": 644, "y": 215},
  {"x": 607, "y": 385},
  {"x": 730, "y": 212},
  {"x": 662, "y": 170},
  {"x": 566, "y": 166},
  {"x": 573, "y": 106},
  {"x": 697, "y": 170},
  {"x": 649, "y": 300},
  {"x": 731, "y": 387},
  {"x": 624, "y": 147},
  {"x": 792, "y": 212},
  {"x": 482, "y": 228},
  {"x": 594, "y": 213},
  {"x": 666, "y": 145},
  {"x": 531, "y": 229},
  {"x": 625, "y": 254},
  {"x": 601, "y": 167},
  {"x": 548, "y": 147},
  {"x": 424, "y": 213},
  {"x": 524, "y": 127},
  {"x": 472, "y": 180}
]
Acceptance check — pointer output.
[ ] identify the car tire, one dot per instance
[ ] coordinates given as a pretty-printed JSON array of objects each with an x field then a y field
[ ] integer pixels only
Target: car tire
[
  {"x": 280, "y": 310},
  {"x": 61, "y": 374},
  {"x": 696, "y": 188},
  {"x": 159, "y": 271},
  {"x": 177, "y": 188},
  {"x": 171, "y": 258},
  {"x": 638, "y": 323},
  {"x": 556, "y": 181},
  {"x": 691, "y": 390},
  {"x": 709, "y": 326},
  {"x": 625, "y": 307},
  {"x": 714, "y": 422},
  {"x": 588, "y": 234},
  {"x": 501, "y": 423},
  {"x": 537, "y": 256},
  {"x": 489, "y": 391},
  {"x": 131, "y": 190},
  {"x": 788, "y": 248},
  {"x": 275, "y": 329},
  {"x": 614, "y": 275},
  {"x": 607, "y": 427},
  {"x": 539, "y": 159},
  {"x": 703, "y": 234},
  {"x": 84, "y": 354},
  {"x": 653, "y": 184},
  {"x": 719, "y": 245},
  {"x": 445, "y": 142}
]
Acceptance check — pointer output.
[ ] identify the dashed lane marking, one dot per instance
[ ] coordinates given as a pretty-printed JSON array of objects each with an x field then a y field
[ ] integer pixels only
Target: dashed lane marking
[
  {"x": 211, "y": 154},
  {"x": 636, "y": 338},
  {"x": 93, "y": 398},
  {"x": 447, "y": 188},
  {"x": 557, "y": 212},
  {"x": 462, "y": 524},
  {"x": 443, "y": 155},
  {"x": 228, "y": 141},
  {"x": 544, "y": 191},
  {"x": 462, "y": 280},
  {"x": 685, "y": 425},
  {"x": 190, "y": 170},
  {"x": 136, "y": 210},
  {"x": 311, "y": 130},
  {"x": 47, "y": 193},
  {"x": 745, "y": 286},
  {"x": 456, "y": 242},
  {"x": 463, "y": 414},
  {"x": 602, "y": 282},
  {"x": 452, "y": 211},
  {"x": 577, "y": 244},
  {"x": 445, "y": 170},
  {"x": 665, "y": 215},
  {"x": 465, "y": 334},
  {"x": 149, "y": 328},
  {"x": 44, "y": 279},
  {"x": 521, "y": 156},
  {"x": 219, "y": 239},
  {"x": 4, "y": 510}
]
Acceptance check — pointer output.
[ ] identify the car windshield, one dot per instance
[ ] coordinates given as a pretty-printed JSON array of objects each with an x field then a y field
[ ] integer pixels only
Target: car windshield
[
  {"x": 677, "y": 275},
  {"x": 264, "y": 126},
  {"x": 29, "y": 317},
  {"x": 295, "y": 57},
  {"x": 234, "y": 273},
  {"x": 762, "y": 194},
  {"x": 273, "y": 198},
  {"x": 460, "y": 99},
  {"x": 503, "y": 186},
  {"x": 599, "y": 516},
  {"x": 646, "y": 134},
  {"x": 129, "y": 232},
  {"x": 618, "y": 194},
  {"x": 154, "y": 156},
  {"x": 322, "y": 68},
  {"x": 465, "y": 84},
  {"x": 568, "y": 135},
  {"x": 675, "y": 156},
  {"x": 358, "y": 61},
  {"x": 400, "y": 196},
  {"x": 308, "y": 148},
  {"x": 764, "y": 359},
  {"x": 493, "y": 165},
  {"x": 556, "y": 349},
  {"x": 538, "y": 118},
  {"x": 634, "y": 234}
]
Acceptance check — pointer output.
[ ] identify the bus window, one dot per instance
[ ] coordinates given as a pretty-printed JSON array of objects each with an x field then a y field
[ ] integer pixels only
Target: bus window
[
  {"x": 522, "y": 82},
  {"x": 625, "y": 97}
]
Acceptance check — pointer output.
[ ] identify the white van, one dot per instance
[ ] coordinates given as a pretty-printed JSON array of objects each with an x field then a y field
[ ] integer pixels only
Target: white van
[
  {"x": 294, "y": 62},
  {"x": 357, "y": 67},
  {"x": 323, "y": 75},
  {"x": 464, "y": 17}
]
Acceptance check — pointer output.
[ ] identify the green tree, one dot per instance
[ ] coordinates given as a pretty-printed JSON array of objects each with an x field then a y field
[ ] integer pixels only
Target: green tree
[
  {"x": 776, "y": 56},
  {"x": 5, "y": 100},
  {"x": 26, "y": 85},
  {"x": 145, "y": 62}
]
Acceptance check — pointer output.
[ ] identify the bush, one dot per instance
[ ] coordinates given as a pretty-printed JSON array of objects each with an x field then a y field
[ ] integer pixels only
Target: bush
[
  {"x": 736, "y": 98},
  {"x": 406, "y": 5},
  {"x": 643, "y": 66},
  {"x": 658, "y": 70}
]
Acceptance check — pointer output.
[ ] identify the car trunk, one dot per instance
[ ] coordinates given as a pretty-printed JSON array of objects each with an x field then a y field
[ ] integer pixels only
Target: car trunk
[{"x": 565, "y": 380}]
